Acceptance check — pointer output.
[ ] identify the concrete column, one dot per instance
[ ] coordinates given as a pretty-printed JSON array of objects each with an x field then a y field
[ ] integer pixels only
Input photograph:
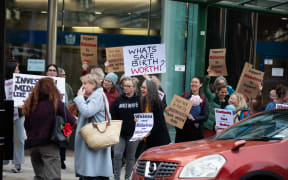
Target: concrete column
[
  {"x": 52, "y": 31},
  {"x": 173, "y": 36}
]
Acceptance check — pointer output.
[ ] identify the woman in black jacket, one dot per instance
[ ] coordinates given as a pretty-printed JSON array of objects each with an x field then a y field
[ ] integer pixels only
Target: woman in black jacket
[{"x": 193, "y": 128}]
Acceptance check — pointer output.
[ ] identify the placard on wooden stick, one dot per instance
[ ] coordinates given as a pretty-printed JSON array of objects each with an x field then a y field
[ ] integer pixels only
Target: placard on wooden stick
[
  {"x": 88, "y": 49},
  {"x": 217, "y": 62},
  {"x": 178, "y": 111},
  {"x": 115, "y": 59}
]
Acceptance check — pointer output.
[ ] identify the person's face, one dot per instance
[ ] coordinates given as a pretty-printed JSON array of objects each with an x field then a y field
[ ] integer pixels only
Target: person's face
[
  {"x": 144, "y": 90},
  {"x": 195, "y": 85},
  {"x": 63, "y": 74},
  {"x": 17, "y": 69},
  {"x": 273, "y": 95},
  {"x": 107, "y": 84},
  {"x": 51, "y": 71},
  {"x": 89, "y": 87},
  {"x": 222, "y": 82},
  {"x": 233, "y": 100},
  {"x": 128, "y": 88},
  {"x": 222, "y": 93}
]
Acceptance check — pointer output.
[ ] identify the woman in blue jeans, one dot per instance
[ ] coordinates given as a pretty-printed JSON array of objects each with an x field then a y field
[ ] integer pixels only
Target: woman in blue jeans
[{"x": 124, "y": 108}]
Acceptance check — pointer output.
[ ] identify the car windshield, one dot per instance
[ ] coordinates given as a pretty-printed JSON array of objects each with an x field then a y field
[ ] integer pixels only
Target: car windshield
[{"x": 268, "y": 126}]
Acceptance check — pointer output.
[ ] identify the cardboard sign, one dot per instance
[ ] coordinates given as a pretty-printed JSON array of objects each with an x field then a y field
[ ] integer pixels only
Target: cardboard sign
[
  {"x": 224, "y": 118},
  {"x": 115, "y": 59},
  {"x": 250, "y": 81},
  {"x": 143, "y": 126},
  {"x": 217, "y": 62},
  {"x": 24, "y": 83},
  {"x": 178, "y": 111},
  {"x": 88, "y": 49},
  {"x": 144, "y": 59}
]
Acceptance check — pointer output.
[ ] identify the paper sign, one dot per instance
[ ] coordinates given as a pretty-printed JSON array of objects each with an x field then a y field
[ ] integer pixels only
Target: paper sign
[
  {"x": 177, "y": 112},
  {"x": 24, "y": 83},
  {"x": 217, "y": 62},
  {"x": 143, "y": 125},
  {"x": 250, "y": 81},
  {"x": 37, "y": 65},
  {"x": 88, "y": 49},
  {"x": 144, "y": 59},
  {"x": 115, "y": 59},
  {"x": 268, "y": 61},
  {"x": 180, "y": 68},
  {"x": 9, "y": 96},
  {"x": 224, "y": 118},
  {"x": 278, "y": 72},
  {"x": 281, "y": 106}
]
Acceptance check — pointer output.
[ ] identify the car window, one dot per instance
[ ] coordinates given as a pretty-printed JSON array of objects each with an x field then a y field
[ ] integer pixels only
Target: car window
[{"x": 271, "y": 125}]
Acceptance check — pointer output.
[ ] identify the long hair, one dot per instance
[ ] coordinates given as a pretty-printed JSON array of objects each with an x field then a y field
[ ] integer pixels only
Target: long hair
[
  {"x": 241, "y": 101},
  {"x": 152, "y": 99},
  {"x": 10, "y": 69},
  {"x": 45, "y": 89}
]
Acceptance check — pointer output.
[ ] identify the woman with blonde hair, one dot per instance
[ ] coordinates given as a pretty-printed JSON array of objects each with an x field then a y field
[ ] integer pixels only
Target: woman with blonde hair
[
  {"x": 91, "y": 102},
  {"x": 40, "y": 110},
  {"x": 238, "y": 100}
]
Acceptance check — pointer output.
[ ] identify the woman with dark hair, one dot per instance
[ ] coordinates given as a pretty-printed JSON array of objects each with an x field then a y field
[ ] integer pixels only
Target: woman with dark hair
[
  {"x": 193, "y": 128},
  {"x": 40, "y": 110},
  {"x": 19, "y": 131},
  {"x": 151, "y": 103},
  {"x": 52, "y": 70},
  {"x": 282, "y": 97}
]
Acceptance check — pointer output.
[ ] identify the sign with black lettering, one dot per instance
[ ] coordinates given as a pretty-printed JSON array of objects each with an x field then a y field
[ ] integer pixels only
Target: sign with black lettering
[
  {"x": 144, "y": 59},
  {"x": 24, "y": 83},
  {"x": 177, "y": 112},
  {"x": 115, "y": 59},
  {"x": 88, "y": 49}
]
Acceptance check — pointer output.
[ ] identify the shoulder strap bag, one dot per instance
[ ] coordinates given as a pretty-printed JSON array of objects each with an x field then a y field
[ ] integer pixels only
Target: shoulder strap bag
[{"x": 101, "y": 135}]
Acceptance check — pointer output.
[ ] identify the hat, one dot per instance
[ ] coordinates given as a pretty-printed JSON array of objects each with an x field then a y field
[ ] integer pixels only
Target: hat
[{"x": 112, "y": 76}]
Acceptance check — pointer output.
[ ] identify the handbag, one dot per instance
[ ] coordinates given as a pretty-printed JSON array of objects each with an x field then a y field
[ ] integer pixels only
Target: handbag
[
  {"x": 61, "y": 131},
  {"x": 101, "y": 135}
]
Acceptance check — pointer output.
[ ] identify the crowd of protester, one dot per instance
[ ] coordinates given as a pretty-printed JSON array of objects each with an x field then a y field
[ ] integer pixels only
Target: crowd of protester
[{"x": 100, "y": 91}]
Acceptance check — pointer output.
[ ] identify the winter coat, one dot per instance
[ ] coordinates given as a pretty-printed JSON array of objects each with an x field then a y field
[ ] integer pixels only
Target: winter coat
[
  {"x": 90, "y": 162},
  {"x": 111, "y": 96},
  {"x": 124, "y": 109}
]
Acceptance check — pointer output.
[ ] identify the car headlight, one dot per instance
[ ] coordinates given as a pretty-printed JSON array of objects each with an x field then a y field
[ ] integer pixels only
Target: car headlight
[{"x": 207, "y": 166}]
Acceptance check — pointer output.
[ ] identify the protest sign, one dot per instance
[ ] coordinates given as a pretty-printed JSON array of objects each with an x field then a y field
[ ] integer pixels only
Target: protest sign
[
  {"x": 9, "y": 95},
  {"x": 88, "y": 49},
  {"x": 115, "y": 59},
  {"x": 217, "y": 62},
  {"x": 143, "y": 125},
  {"x": 178, "y": 111},
  {"x": 224, "y": 118},
  {"x": 281, "y": 106},
  {"x": 24, "y": 83},
  {"x": 250, "y": 81},
  {"x": 144, "y": 59}
]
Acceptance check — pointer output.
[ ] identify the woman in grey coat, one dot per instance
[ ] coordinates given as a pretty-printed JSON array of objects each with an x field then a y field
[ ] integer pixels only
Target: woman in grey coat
[{"x": 91, "y": 164}]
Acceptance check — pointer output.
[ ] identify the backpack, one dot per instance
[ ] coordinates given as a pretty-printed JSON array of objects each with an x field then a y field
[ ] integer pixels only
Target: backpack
[{"x": 243, "y": 113}]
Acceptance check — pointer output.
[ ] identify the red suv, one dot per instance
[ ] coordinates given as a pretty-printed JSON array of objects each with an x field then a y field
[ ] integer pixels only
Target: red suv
[{"x": 255, "y": 148}]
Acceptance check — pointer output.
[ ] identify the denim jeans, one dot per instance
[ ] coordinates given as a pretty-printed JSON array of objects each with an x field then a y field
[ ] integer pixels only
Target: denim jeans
[{"x": 130, "y": 156}]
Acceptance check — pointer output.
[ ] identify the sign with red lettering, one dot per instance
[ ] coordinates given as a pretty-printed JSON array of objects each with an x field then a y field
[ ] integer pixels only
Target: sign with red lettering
[
  {"x": 88, "y": 49},
  {"x": 115, "y": 59},
  {"x": 144, "y": 59},
  {"x": 250, "y": 81},
  {"x": 224, "y": 118},
  {"x": 217, "y": 62},
  {"x": 177, "y": 112}
]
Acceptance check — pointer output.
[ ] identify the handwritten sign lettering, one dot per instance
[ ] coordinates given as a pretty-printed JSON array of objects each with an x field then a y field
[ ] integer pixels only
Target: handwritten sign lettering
[
  {"x": 115, "y": 59},
  {"x": 144, "y": 59},
  {"x": 217, "y": 62},
  {"x": 88, "y": 49},
  {"x": 143, "y": 125},
  {"x": 224, "y": 118}
]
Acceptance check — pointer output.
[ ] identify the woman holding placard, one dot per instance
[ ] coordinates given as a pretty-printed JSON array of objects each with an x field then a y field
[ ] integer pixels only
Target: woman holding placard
[
  {"x": 193, "y": 128},
  {"x": 150, "y": 102},
  {"x": 282, "y": 97}
]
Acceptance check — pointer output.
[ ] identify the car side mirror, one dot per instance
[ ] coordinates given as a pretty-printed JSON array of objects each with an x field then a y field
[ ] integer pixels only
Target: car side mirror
[{"x": 237, "y": 145}]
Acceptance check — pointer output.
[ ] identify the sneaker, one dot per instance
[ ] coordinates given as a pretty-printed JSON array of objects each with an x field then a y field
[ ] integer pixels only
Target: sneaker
[
  {"x": 63, "y": 165},
  {"x": 16, "y": 170}
]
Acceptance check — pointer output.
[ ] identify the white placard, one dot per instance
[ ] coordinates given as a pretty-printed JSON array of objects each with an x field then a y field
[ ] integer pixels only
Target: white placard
[
  {"x": 280, "y": 106},
  {"x": 144, "y": 59},
  {"x": 24, "y": 83},
  {"x": 224, "y": 118},
  {"x": 268, "y": 61},
  {"x": 278, "y": 72},
  {"x": 143, "y": 125},
  {"x": 9, "y": 96},
  {"x": 37, "y": 65},
  {"x": 180, "y": 68}
]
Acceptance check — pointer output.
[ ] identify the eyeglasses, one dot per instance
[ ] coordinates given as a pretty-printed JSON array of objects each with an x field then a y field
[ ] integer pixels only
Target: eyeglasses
[
  {"x": 52, "y": 70},
  {"x": 127, "y": 86}
]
